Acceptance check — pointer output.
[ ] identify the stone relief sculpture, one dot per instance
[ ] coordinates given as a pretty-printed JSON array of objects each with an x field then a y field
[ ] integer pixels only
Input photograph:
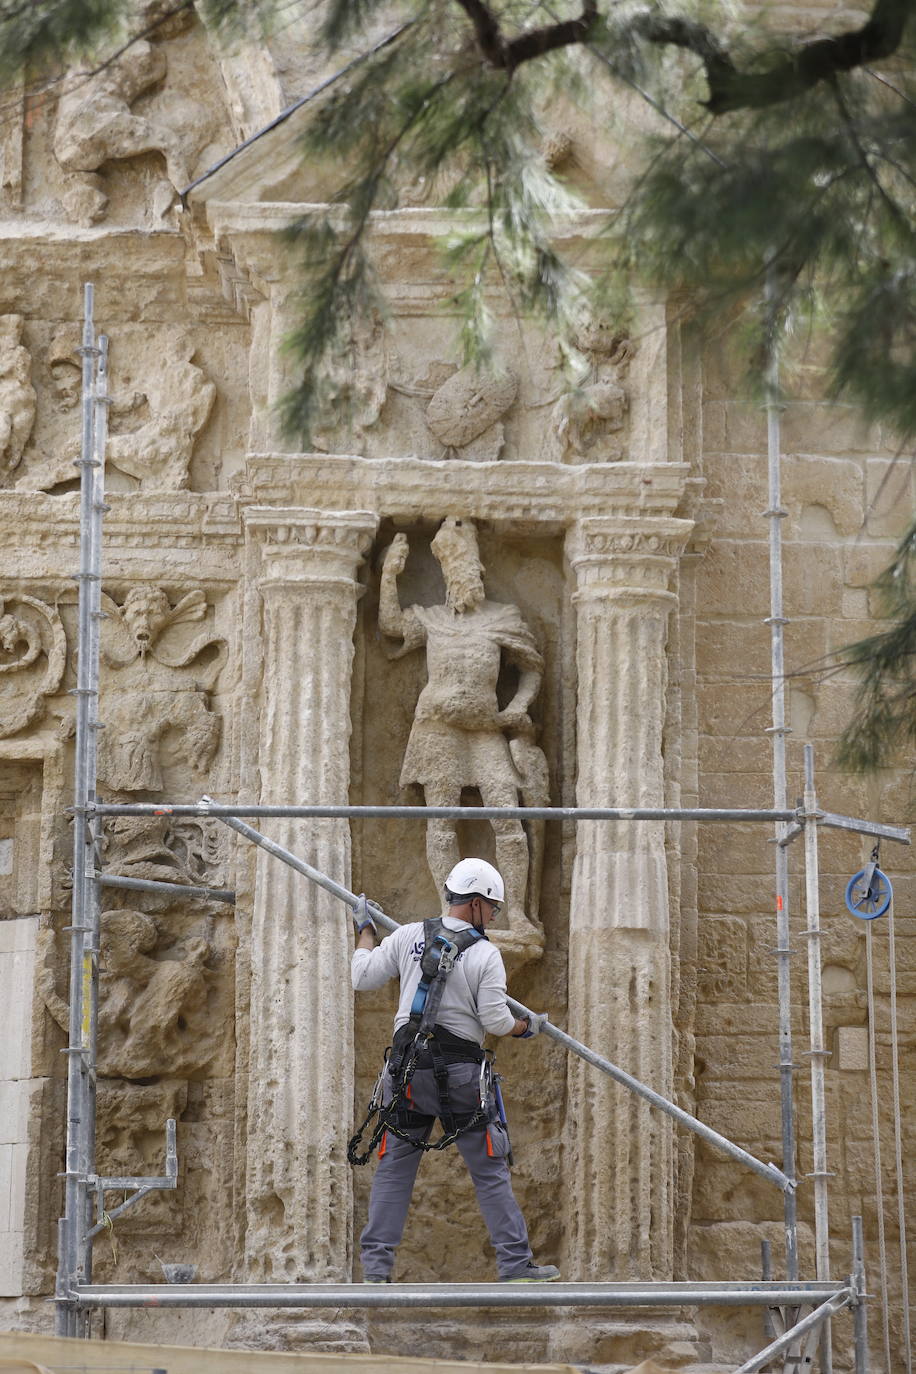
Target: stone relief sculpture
[
  {"x": 162, "y": 684},
  {"x": 152, "y": 433},
  {"x": 154, "y": 1017},
  {"x": 465, "y": 408},
  {"x": 33, "y": 654},
  {"x": 460, "y": 738},
  {"x": 96, "y": 124},
  {"x": 17, "y": 395},
  {"x": 586, "y": 420},
  {"x": 158, "y": 453}
]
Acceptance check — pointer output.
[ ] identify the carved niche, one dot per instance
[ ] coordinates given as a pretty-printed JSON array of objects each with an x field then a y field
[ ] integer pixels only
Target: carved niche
[
  {"x": 156, "y": 687},
  {"x": 33, "y": 654},
  {"x": 461, "y": 738}
]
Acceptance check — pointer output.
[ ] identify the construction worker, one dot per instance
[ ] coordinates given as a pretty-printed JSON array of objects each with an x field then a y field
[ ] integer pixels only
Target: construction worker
[{"x": 473, "y": 1002}]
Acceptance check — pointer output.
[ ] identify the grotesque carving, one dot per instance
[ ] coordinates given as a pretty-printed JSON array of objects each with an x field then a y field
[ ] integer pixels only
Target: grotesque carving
[
  {"x": 460, "y": 737},
  {"x": 154, "y": 1015},
  {"x": 161, "y": 684},
  {"x": 33, "y": 652},
  {"x": 146, "y": 613},
  {"x": 586, "y": 419},
  {"x": 17, "y": 395},
  {"x": 95, "y": 125}
]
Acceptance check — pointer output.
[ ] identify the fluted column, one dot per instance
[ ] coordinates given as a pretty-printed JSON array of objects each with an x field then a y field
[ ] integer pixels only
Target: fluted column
[
  {"x": 619, "y": 1156},
  {"x": 300, "y": 1095}
]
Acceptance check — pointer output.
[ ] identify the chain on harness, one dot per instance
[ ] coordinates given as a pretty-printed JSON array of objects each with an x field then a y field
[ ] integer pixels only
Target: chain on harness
[{"x": 438, "y": 959}]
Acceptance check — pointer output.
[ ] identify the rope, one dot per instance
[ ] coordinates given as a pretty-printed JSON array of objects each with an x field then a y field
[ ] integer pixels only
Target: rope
[
  {"x": 876, "y": 1139},
  {"x": 898, "y": 1144}
]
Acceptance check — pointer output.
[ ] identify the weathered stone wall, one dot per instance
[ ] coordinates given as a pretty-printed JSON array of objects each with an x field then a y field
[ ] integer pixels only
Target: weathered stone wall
[{"x": 244, "y": 656}]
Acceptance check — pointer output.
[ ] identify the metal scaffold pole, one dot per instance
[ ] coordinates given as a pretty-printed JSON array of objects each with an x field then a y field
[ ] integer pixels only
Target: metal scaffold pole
[
  {"x": 816, "y": 1052},
  {"x": 84, "y": 906},
  {"x": 777, "y": 731}
]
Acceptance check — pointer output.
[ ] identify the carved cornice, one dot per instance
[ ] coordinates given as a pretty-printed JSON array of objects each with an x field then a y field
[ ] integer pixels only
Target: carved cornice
[
  {"x": 547, "y": 497},
  {"x": 305, "y": 545}
]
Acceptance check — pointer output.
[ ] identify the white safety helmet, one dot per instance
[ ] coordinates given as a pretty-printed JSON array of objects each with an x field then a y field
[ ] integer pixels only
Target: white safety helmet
[{"x": 475, "y": 877}]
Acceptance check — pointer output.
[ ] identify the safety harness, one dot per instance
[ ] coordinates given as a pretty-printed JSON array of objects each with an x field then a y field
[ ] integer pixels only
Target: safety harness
[{"x": 421, "y": 1043}]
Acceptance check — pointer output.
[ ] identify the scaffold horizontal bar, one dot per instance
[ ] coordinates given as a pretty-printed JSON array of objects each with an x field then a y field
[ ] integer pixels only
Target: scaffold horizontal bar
[
  {"x": 458, "y": 1294},
  {"x": 476, "y": 813},
  {"x": 885, "y": 832},
  {"x": 216, "y": 894}
]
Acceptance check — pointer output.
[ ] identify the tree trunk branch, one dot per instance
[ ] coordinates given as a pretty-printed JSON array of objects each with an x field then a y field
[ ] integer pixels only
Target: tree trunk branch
[
  {"x": 507, "y": 54},
  {"x": 797, "y": 72}
]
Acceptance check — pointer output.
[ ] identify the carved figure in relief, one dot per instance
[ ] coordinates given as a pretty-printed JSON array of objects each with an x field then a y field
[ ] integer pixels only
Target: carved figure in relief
[
  {"x": 17, "y": 395},
  {"x": 161, "y": 681},
  {"x": 33, "y": 653},
  {"x": 154, "y": 1020},
  {"x": 153, "y": 431},
  {"x": 96, "y": 124},
  {"x": 585, "y": 419},
  {"x": 460, "y": 737},
  {"x": 158, "y": 453}
]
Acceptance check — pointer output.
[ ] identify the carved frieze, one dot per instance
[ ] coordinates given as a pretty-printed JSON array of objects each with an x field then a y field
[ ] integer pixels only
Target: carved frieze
[{"x": 33, "y": 653}]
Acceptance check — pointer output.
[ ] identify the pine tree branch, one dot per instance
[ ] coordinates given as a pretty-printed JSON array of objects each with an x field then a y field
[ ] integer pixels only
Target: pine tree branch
[
  {"x": 507, "y": 54},
  {"x": 730, "y": 89}
]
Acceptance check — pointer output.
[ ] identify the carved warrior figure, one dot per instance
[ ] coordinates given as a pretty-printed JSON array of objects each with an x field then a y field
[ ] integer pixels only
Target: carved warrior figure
[
  {"x": 17, "y": 395},
  {"x": 585, "y": 419},
  {"x": 95, "y": 125},
  {"x": 460, "y": 738}
]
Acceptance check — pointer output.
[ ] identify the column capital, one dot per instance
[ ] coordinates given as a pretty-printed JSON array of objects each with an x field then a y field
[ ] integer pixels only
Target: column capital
[
  {"x": 303, "y": 545},
  {"x": 626, "y": 558}
]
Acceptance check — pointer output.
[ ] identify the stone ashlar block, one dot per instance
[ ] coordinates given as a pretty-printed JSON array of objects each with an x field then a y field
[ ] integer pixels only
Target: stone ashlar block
[
  {"x": 723, "y": 644},
  {"x": 833, "y": 487},
  {"x": 737, "y": 789},
  {"x": 14, "y": 1111},
  {"x": 733, "y": 1248},
  {"x": 741, "y": 850},
  {"x": 12, "y": 1248},
  {"x": 822, "y": 427},
  {"x": 733, "y": 579},
  {"x": 864, "y": 562},
  {"x": 813, "y": 578},
  {"x": 737, "y": 1057},
  {"x": 726, "y": 1191},
  {"x": 890, "y": 496},
  {"x": 751, "y": 754},
  {"x": 735, "y": 895},
  {"x": 733, "y": 710}
]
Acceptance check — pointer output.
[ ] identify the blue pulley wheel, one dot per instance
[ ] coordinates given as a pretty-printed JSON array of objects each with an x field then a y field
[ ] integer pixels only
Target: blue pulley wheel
[{"x": 869, "y": 893}]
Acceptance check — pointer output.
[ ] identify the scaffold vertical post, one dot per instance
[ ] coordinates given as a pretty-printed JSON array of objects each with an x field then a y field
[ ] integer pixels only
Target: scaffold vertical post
[
  {"x": 71, "y": 1321},
  {"x": 860, "y": 1311},
  {"x": 777, "y": 731},
  {"x": 816, "y": 1052}
]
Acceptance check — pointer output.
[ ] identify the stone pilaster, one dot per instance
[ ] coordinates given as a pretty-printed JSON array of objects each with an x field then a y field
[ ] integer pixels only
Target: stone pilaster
[
  {"x": 620, "y": 1154},
  {"x": 299, "y": 1212}
]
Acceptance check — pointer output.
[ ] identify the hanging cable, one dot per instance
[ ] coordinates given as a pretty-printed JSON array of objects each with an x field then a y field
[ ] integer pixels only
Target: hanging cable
[
  {"x": 876, "y": 1139},
  {"x": 898, "y": 1143}
]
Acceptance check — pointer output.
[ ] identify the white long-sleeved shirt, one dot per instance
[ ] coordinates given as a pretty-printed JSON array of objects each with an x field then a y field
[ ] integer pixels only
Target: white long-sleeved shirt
[{"x": 474, "y": 998}]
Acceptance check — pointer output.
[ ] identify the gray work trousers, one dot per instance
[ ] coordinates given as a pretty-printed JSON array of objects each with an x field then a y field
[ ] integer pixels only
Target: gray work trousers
[{"x": 486, "y": 1162}]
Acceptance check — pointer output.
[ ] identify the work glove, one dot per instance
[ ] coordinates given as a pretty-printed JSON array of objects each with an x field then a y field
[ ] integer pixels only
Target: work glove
[
  {"x": 535, "y": 1021},
  {"x": 361, "y": 917}
]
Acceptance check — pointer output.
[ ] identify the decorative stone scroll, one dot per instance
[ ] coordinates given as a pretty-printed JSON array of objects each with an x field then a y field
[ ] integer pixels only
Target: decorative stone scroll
[{"x": 33, "y": 654}]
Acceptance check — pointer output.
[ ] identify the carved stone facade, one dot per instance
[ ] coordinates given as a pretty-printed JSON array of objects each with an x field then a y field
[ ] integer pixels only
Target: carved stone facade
[{"x": 512, "y": 587}]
